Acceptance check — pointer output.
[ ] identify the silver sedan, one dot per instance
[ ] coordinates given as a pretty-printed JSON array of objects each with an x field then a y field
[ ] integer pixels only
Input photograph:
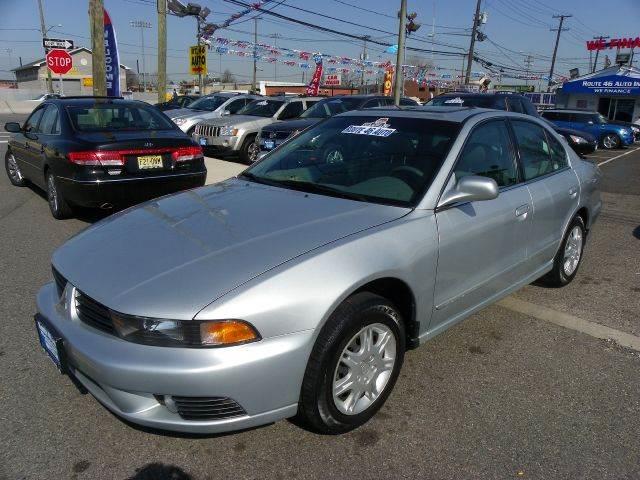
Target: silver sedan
[{"x": 295, "y": 288}]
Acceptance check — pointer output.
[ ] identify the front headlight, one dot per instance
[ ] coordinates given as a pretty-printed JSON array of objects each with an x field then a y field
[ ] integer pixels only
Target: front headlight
[
  {"x": 577, "y": 139},
  {"x": 183, "y": 333},
  {"x": 180, "y": 121},
  {"x": 228, "y": 131}
]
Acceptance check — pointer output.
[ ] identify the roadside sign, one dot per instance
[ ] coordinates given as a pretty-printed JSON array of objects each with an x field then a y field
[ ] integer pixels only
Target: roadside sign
[
  {"x": 57, "y": 43},
  {"x": 198, "y": 60},
  {"x": 333, "y": 80},
  {"x": 388, "y": 78},
  {"x": 59, "y": 61}
]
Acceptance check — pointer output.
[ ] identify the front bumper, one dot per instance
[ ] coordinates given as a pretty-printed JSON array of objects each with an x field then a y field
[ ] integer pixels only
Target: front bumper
[
  {"x": 264, "y": 377},
  {"x": 222, "y": 144},
  {"x": 127, "y": 191}
]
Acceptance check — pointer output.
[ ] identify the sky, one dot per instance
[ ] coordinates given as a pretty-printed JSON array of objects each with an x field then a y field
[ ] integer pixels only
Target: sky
[{"x": 514, "y": 29}]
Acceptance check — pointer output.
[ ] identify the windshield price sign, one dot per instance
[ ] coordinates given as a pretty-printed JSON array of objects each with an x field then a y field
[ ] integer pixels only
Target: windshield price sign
[{"x": 198, "y": 60}]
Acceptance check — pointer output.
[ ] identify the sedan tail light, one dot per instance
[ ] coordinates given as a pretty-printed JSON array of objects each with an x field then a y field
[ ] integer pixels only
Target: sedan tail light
[
  {"x": 186, "y": 154},
  {"x": 110, "y": 158}
]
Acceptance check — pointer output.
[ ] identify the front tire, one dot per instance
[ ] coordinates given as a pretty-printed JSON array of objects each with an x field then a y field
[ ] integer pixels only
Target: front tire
[
  {"x": 58, "y": 205},
  {"x": 611, "y": 141},
  {"x": 13, "y": 170},
  {"x": 569, "y": 255},
  {"x": 354, "y": 365},
  {"x": 250, "y": 150}
]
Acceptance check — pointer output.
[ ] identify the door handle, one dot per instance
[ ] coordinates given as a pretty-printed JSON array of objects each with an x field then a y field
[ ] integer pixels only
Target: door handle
[
  {"x": 573, "y": 191},
  {"x": 522, "y": 210}
]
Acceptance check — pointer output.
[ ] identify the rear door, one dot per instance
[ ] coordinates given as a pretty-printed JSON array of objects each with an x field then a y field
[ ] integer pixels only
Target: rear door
[
  {"x": 482, "y": 245},
  {"x": 553, "y": 187}
]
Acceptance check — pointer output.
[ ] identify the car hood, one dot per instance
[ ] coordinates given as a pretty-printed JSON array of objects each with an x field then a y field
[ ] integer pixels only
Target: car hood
[
  {"x": 190, "y": 113},
  {"x": 235, "y": 120},
  {"x": 171, "y": 257},
  {"x": 290, "y": 125}
]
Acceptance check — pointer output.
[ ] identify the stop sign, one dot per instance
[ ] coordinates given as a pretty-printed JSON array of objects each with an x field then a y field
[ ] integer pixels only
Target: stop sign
[{"x": 59, "y": 61}]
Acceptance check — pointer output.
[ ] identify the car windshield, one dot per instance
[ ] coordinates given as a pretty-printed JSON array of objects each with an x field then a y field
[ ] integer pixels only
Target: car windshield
[
  {"x": 117, "y": 117},
  {"x": 329, "y": 107},
  {"x": 367, "y": 158},
  {"x": 261, "y": 108},
  {"x": 463, "y": 101},
  {"x": 208, "y": 104}
]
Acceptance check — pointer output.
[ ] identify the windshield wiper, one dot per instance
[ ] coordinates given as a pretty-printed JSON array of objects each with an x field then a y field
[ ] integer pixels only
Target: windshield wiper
[{"x": 311, "y": 187}]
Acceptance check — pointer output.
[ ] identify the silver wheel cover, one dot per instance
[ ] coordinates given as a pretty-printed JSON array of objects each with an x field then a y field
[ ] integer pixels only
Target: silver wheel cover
[
  {"x": 52, "y": 194},
  {"x": 364, "y": 369},
  {"x": 14, "y": 170},
  {"x": 572, "y": 251}
]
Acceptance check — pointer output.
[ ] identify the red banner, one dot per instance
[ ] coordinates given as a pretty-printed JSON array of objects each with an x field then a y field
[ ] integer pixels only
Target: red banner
[
  {"x": 602, "y": 44},
  {"x": 314, "y": 85}
]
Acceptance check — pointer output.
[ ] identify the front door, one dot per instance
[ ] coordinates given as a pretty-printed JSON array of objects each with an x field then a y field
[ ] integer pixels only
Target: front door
[
  {"x": 482, "y": 245},
  {"x": 23, "y": 145}
]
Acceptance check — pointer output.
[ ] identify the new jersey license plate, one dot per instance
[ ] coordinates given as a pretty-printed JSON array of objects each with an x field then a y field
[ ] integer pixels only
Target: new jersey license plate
[
  {"x": 150, "y": 161},
  {"x": 49, "y": 343},
  {"x": 269, "y": 144}
]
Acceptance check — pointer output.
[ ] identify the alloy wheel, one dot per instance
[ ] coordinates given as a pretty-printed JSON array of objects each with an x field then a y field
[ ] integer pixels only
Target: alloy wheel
[
  {"x": 609, "y": 142},
  {"x": 14, "y": 171},
  {"x": 52, "y": 193},
  {"x": 572, "y": 251},
  {"x": 254, "y": 151},
  {"x": 364, "y": 369}
]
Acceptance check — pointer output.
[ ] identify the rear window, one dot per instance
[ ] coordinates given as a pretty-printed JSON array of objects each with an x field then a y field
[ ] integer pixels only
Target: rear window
[
  {"x": 117, "y": 117},
  {"x": 468, "y": 101}
]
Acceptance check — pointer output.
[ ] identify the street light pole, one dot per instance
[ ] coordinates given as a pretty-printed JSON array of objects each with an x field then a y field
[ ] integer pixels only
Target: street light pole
[
  {"x": 255, "y": 52},
  {"x": 44, "y": 33}
]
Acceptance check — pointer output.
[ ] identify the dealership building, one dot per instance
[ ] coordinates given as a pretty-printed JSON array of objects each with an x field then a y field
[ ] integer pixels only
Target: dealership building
[
  {"x": 614, "y": 92},
  {"x": 78, "y": 81}
]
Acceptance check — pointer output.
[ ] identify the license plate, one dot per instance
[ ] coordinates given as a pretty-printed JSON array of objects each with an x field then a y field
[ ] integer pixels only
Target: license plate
[
  {"x": 150, "y": 161},
  {"x": 49, "y": 343},
  {"x": 269, "y": 144},
  {"x": 203, "y": 141}
]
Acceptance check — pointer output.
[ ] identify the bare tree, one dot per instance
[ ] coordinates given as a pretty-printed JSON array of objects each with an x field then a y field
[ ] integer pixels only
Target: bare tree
[{"x": 227, "y": 77}]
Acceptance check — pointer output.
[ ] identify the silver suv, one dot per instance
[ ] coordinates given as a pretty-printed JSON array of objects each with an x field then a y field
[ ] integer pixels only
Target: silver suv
[
  {"x": 237, "y": 134},
  {"x": 211, "y": 106}
]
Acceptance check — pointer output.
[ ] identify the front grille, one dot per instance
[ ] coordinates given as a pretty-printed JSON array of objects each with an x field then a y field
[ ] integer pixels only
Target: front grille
[
  {"x": 60, "y": 281},
  {"x": 205, "y": 130},
  {"x": 207, "y": 408},
  {"x": 93, "y": 313}
]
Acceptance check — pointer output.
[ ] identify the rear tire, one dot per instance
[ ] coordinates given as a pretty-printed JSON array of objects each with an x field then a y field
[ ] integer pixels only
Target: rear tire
[
  {"x": 58, "y": 205},
  {"x": 611, "y": 141},
  {"x": 569, "y": 255},
  {"x": 13, "y": 170},
  {"x": 354, "y": 365}
]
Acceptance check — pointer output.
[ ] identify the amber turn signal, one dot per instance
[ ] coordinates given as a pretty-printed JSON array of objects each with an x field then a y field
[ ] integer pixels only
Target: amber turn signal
[{"x": 227, "y": 332}]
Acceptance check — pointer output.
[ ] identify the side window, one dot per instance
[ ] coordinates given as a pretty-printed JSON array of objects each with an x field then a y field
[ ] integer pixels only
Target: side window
[
  {"x": 558, "y": 154},
  {"x": 535, "y": 153},
  {"x": 32, "y": 122},
  {"x": 377, "y": 102},
  {"x": 236, "y": 105},
  {"x": 551, "y": 116},
  {"x": 310, "y": 103},
  {"x": 292, "y": 110},
  {"x": 49, "y": 122},
  {"x": 488, "y": 153},
  {"x": 515, "y": 105},
  {"x": 407, "y": 102}
]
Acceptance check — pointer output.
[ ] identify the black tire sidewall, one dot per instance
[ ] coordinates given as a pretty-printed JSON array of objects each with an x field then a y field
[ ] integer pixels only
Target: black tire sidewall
[
  {"x": 244, "y": 151},
  {"x": 364, "y": 309},
  {"x": 21, "y": 183},
  {"x": 63, "y": 210}
]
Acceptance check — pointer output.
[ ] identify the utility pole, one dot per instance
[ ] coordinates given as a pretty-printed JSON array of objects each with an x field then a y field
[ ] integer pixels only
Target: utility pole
[
  {"x": 275, "y": 37},
  {"x": 595, "y": 62},
  {"x": 200, "y": 82},
  {"x": 97, "y": 47},
  {"x": 43, "y": 29},
  {"x": 142, "y": 24},
  {"x": 363, "y": 59},
  {"x": 398, "y": 88},
  {"x": 162, "y": 51},
  {"x": 528, "y": 60},
  {"x": 255, "y": 52},
  {"x": 474, "y": 30},
  {"x": 555, "y": 49}
]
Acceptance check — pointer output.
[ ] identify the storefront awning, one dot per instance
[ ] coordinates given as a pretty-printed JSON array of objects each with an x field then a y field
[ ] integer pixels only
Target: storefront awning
[{"x": 611, "y": 81}]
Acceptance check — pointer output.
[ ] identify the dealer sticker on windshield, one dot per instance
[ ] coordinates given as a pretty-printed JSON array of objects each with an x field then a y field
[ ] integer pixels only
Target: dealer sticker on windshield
[
  {"x": 379, "y": 128},
  {"x": 456, "y": 100}
]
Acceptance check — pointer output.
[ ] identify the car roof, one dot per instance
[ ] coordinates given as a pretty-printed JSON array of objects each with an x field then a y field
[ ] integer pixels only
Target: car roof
[
  {"x": 569, "y": 110},
  {"x": 87, "y": 100},
  {"x": 450, "y": 114}
]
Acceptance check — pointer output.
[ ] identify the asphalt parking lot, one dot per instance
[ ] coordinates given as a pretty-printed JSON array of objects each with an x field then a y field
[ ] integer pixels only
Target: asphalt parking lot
[{"x": 534, "y": 387}]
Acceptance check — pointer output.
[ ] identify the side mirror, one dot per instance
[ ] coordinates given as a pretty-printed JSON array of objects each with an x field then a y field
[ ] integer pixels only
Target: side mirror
[
  {"x": 12, "y": 127},
  {"x": 470, "y": 189},
  {"x": 226, "y": 113}
]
